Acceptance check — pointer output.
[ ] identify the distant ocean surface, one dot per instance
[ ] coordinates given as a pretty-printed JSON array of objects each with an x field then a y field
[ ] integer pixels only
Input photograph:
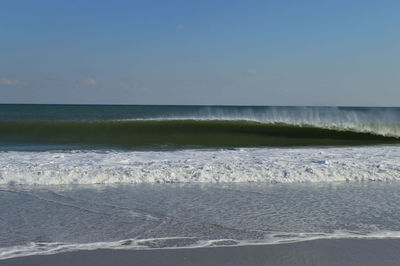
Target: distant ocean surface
[{"x": 140, "y": 177}]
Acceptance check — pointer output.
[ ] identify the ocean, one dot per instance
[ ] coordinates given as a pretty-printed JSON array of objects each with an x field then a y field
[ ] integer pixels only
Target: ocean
[{"x": 83, "y": 177}]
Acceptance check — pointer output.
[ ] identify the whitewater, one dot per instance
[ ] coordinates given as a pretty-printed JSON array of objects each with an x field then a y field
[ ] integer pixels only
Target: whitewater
[{"x": 269, "y": 165}]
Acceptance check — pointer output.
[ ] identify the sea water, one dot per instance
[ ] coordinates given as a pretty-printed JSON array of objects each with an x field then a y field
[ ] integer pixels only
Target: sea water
[{"x": 142, "y": 177}]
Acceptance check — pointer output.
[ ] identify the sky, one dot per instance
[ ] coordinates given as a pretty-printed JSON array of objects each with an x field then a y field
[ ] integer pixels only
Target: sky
[{"x": 310, "y": 52}]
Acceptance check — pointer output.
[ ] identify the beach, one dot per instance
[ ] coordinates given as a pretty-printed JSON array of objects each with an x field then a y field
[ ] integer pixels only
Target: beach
[{"x": 330, "y": 252}]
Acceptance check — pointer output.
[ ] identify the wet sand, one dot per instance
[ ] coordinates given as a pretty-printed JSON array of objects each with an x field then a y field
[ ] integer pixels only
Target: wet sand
[{"x": 315, "y": 252}]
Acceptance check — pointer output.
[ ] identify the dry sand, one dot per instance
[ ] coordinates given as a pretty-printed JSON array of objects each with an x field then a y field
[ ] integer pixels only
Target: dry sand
[{"x": 316, "y": 252}]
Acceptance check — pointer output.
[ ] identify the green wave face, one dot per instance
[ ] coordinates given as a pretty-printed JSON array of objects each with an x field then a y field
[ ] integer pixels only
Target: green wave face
[{"x": 181, "y": 133}]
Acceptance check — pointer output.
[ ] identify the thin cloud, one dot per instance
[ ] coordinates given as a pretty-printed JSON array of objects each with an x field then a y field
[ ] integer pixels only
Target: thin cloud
[
  {"x": 89, "y": 81},
  {"x": 252, "y": 71},
  {"x": 179, "y": 27},
  {"x": 9, "y": 82},
  {"x": 144, "y": 89}
]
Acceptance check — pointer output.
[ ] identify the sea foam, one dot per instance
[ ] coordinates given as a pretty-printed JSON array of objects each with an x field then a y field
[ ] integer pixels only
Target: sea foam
[{"x": 268, "y": 165}]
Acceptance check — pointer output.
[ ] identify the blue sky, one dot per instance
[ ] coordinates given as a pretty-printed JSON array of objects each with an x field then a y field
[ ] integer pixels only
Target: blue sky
[{"x": 200, "y": 52}]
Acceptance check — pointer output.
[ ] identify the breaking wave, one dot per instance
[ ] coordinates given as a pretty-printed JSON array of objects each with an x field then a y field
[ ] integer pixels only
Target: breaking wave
[{"x": 168, "y": 133}]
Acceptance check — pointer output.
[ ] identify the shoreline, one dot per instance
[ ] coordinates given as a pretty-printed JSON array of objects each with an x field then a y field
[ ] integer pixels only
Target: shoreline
[{"x": 312, "y": 252}]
